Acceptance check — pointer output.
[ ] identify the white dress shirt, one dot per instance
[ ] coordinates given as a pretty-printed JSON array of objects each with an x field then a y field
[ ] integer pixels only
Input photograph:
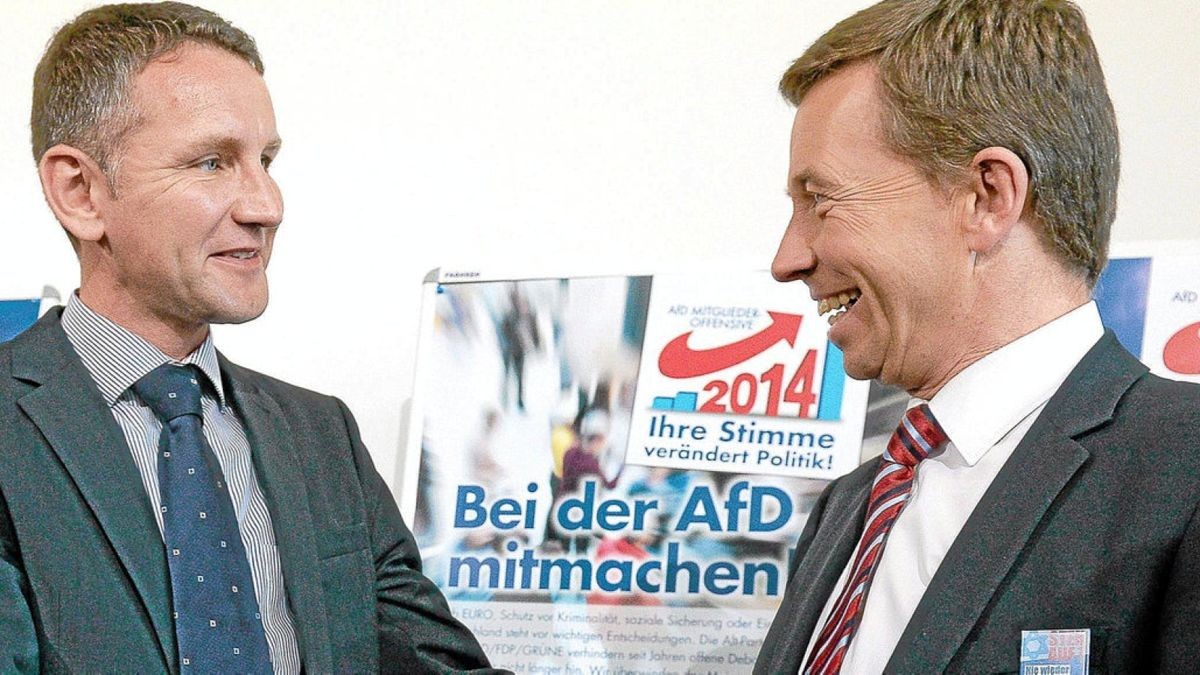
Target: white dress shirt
[{"x": 985, "y": 410}]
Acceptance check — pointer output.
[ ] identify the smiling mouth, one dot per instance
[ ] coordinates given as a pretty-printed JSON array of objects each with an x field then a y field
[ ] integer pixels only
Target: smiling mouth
[
  {"x": 838, "y": 304},
  {"x": 242, "y": 254}
]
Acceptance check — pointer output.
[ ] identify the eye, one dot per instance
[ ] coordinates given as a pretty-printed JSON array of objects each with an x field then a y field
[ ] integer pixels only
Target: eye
[
  {"x": 266, "y": 161},
  {"x": 818, "y": 203},
  {"x": 209, "y": 165},
  {"x": 817, "y": 199}
]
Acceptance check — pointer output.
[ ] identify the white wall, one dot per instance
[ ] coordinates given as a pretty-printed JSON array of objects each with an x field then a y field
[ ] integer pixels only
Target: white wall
[{"x": 592, "y": 134}]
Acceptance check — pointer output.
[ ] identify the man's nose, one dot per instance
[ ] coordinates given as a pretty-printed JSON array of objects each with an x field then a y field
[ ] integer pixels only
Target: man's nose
[
  {"x": 259, "y": 201},
  {"x": 794, "y": 260}
]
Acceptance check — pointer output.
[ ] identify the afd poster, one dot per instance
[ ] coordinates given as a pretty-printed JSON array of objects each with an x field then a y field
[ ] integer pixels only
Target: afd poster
[
  {"x": 557, "y": 538},
  {"x": 1171, "y": 346},
  {"x": 612, "y": 469},
  {"x": 737, "y": 377},
  {"x": 1152, "y": 302}
]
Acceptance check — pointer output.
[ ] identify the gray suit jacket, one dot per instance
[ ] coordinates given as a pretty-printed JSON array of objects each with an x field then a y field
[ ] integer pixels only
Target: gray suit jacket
[
  {"x": 84, "y": 585},
  {"x": 1092, "y": 523}
]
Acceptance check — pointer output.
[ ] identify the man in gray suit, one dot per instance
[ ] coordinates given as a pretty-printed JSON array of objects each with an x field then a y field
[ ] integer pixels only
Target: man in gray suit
[
  {"x": 153, "y": 132},
  {"x": 953, "y": 172}
]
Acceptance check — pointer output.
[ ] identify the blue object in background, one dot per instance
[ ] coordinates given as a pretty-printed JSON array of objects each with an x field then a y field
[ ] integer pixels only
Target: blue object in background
[
  {"x": 833, "y": 382},
  {"x": 1121, "y": 296},
  {"x": 16, "y": 316}
]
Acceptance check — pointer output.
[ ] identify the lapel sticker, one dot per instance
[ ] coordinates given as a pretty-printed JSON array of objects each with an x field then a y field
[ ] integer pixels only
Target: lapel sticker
[{"x": 1055, "y": 652}]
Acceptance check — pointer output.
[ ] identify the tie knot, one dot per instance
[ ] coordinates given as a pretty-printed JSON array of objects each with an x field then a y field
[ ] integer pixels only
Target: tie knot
[
  {"x": 170, "y": 391},
  {"x": 918, "y": 436}
]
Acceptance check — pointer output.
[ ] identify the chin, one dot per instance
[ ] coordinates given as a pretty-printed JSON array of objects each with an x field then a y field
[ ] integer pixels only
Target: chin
[
  {"x": 861, "y": 373},
  {"x": 234, "y": 318},
  {"x": 858, "y": 369},
  {"x": 237, "y": 311}
]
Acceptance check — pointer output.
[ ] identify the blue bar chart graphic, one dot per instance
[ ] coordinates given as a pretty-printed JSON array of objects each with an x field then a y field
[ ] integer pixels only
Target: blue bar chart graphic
[{"x": 684, "y": 401}]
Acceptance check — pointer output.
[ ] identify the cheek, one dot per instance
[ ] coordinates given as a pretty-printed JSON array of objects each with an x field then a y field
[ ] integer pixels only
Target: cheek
[
  {"x": 132, "y": 237},
  {"x": 861, "y": 232},
  {"x": 205, "y": 211},
  {"x": 268, "y": 246}
]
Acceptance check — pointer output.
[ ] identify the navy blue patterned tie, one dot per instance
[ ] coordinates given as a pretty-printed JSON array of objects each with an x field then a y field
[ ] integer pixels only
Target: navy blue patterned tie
[{"x": 217, "y": 624}]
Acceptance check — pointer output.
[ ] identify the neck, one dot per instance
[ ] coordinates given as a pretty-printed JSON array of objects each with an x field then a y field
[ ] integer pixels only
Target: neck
[
  {"x": 1001, "y": 310},
  {"x": 172, "y": 338}
]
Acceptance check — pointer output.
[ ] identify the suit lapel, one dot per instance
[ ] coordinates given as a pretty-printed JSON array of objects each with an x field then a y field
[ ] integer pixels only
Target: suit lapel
[
  {"x": 814, "y": 579},
  {"x": 70, "y": 413},
  {"x": 1010, "y": 511},
  {"x": 283, "y": 486}
]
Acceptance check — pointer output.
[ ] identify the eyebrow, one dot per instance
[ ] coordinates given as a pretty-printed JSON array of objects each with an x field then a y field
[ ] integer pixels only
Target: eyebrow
[{"x": 228, "y": 144}]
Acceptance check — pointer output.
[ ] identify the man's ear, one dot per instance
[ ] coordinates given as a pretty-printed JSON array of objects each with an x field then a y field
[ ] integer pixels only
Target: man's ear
[
  {"x": 1000, "y": 183},
  {"x": 74, "y": 187}
]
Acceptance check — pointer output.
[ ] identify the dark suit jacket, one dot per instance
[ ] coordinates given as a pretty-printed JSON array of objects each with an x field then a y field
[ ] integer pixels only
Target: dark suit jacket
[
  {"x": 1091, "y": 523},
  {"x": 84, "y": 585}
]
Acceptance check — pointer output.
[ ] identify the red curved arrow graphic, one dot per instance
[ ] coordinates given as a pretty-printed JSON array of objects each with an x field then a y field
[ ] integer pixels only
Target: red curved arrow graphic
[{"x": 679, "y": 361}]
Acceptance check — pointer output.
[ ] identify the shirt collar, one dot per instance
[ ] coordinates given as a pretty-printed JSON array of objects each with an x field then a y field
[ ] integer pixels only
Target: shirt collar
[
  {"x": 116, "y": 357},
  {"x": 981, "y": 404}
]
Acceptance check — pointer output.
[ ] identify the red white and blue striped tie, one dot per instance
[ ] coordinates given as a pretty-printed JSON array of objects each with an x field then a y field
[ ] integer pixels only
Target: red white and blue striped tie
[{"x": 917, "y": 437}]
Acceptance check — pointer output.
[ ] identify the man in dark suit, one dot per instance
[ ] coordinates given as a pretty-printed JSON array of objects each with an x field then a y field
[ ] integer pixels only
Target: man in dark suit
[
  {"x": 153, "y": 131},
  {"x": 953, "y": 172}
]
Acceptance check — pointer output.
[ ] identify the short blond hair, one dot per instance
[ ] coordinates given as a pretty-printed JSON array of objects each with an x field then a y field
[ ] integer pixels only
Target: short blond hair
[
  {"x": 81, "y": 88},
  {"x": 957, "y": 76}
]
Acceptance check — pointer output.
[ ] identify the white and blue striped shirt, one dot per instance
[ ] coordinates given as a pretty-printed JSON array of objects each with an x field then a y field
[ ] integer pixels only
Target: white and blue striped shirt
[{"x": 116, "y": 358}]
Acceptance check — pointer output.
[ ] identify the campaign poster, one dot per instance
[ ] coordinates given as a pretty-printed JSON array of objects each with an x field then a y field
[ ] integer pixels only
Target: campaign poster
[
  {"x": 611, "y": 470},
  {"x": 1152, "y": 303},
  {"x": 555, "y": 541},
  {"x": 737, "y": 375},
  {"x": 1172, "y": 338}
]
